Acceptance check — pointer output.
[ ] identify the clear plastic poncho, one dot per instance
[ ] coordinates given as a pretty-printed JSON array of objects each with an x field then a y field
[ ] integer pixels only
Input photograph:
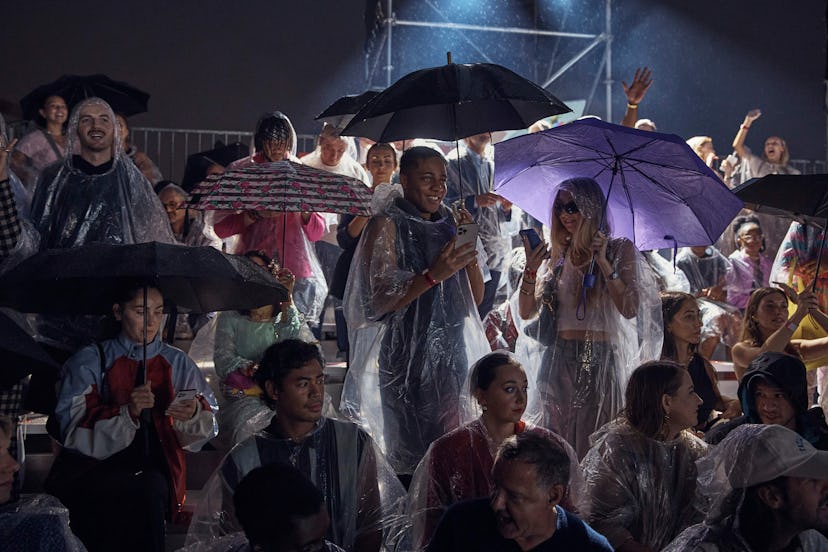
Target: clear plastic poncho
[
  {"x": 239, "y": 343},
  {"x": 576, "y": 386},
  {"x": 640, "y": 488},
  {"x": 723, "y": 475},
  {"x": 37, "y": 523},
  {"x": 365, "y": 500},
  {"x": 418, "y": 356},
  {"x": 458, "y": 467},
  {"x": 72, "y": 208},
  {"x": 14, "y": 210}
]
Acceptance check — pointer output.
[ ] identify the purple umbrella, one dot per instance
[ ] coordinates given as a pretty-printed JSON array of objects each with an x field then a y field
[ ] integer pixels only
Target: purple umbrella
[{"x": 659, "y": 192}]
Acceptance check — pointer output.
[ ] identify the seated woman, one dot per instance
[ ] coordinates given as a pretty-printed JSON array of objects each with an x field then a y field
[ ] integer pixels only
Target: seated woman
[
  {"x": 682, "y": 334},
  {"x": 767, "y": 327},
  {"x": 241, "y": 340},
  {"x": 187, "y": 226},
  {"x": 706, "y": 270},
  {"x": 750, "y": 268},
  {"x": 122, "y": 470},
  {"x": 458, "y": 465},
  {"x": 641, "y": 471},
  {"x": 40, "y": 521}
]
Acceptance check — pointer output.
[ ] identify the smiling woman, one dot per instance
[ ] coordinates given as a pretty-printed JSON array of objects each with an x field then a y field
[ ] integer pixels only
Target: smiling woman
[{"x": 767, "y": 327}]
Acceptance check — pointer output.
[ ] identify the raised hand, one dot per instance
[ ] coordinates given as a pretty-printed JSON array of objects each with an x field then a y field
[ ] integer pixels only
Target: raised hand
[{"x": 640, "y": 84}]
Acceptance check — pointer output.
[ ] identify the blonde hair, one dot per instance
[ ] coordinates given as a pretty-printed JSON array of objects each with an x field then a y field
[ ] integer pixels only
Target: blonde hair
[
  {"x": 785, "y": 157},
  {"x": 588, "y": 196}
]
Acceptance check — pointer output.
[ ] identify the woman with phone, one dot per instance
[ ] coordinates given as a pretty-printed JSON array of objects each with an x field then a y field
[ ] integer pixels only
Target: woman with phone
[
  {"x": 593, "y": 313},
  {"x": 122, "y": 470}
]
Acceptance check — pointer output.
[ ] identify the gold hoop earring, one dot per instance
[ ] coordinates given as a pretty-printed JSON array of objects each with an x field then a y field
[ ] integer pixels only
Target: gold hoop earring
[{"x": 664, "y": 430}]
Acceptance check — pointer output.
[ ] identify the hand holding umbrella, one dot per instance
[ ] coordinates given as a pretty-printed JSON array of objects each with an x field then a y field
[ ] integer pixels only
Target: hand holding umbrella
[{"x": 142, "y": 398}]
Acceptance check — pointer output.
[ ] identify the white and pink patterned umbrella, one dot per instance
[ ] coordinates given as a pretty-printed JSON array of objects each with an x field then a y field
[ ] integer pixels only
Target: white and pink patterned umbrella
[{"x": 282, "y": 186}]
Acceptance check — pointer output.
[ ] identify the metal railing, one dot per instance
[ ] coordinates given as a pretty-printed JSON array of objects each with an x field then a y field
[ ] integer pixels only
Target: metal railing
[{"x": 170, "y": 147}]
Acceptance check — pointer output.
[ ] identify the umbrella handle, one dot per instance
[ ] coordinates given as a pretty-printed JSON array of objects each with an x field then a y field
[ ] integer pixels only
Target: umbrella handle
[{"x": 588, "y": 283}]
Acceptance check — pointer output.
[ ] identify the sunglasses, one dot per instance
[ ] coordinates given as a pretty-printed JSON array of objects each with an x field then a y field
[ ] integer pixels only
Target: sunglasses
[{"x": 568, "y": 208}]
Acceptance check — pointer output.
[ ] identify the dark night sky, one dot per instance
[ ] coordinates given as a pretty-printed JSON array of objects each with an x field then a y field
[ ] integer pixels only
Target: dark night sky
[{"x": 217, "y": 65}]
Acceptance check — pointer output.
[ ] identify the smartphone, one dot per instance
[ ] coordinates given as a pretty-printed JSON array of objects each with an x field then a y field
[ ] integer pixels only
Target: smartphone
[
  {"x": 466, "y": 233},
  {"x": 184, "y": 395},
  {"x": 532, "y": 236}
]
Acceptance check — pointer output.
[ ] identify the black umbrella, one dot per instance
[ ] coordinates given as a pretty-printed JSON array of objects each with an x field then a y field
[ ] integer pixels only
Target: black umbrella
[
  {"x": 84, "y": 280},
  {"x": 197, "y": 164},
  {"x": 20, "y": 354},
  {"x": 802, "y": 197},
  {"x": 343, "y": 110},
  {"x": 452, "y": 102},
  {"x": 122, "y": 97}
]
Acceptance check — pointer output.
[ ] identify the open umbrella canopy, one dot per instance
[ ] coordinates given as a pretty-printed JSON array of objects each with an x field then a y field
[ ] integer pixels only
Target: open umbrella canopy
[
  {"x": 660, "y": 193},
  {"x": 340, "y": 113},
  {"x": 86, "y": 279},
  {"x": 20, "y": 354},
  {"x": 283, "y": 186},
  {"x": 454, "y": 101},
  {"x": 121, "y": 96},
  {"x": 801, "y": 197}
]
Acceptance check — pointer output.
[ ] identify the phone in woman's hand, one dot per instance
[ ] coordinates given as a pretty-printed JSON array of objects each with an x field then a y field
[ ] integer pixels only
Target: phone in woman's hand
[{"x": 532, "y": 236}]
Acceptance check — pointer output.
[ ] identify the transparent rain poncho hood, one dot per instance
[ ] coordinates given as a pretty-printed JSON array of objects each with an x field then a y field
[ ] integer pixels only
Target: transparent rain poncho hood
[
  {"x": 417, "y": 356},
  {"x": 365, "y": 500},
  {"x": 71, "y": 207},
  {"x": 750, "y": 454},
  {"x": 576, "y": 386},
  {"x": 274, "y": 126},
  {"x": 640, "y": 488}
]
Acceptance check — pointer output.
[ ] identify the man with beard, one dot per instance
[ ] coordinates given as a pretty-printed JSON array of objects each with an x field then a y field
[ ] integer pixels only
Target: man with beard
[
  {"x": 98, "y": 195},
  {"x": 362, "y": 494},
  {"x": 768, "y": 491},
  {"x": 530, "y": 476}
]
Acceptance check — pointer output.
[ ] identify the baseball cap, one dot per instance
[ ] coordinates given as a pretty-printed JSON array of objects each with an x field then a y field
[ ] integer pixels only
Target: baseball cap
[{"x": 760, "y": 453}]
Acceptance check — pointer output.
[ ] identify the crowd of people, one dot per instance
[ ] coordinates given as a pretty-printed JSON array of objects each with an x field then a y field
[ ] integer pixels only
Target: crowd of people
[{"x": 493, "y": 400}]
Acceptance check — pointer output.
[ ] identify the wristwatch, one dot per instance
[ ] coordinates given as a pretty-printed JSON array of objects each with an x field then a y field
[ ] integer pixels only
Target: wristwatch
[{"x": 613, "y": 275}]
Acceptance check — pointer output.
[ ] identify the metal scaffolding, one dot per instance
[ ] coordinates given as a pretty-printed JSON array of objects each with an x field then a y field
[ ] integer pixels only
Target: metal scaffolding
[{"x": 605, "y": 38}]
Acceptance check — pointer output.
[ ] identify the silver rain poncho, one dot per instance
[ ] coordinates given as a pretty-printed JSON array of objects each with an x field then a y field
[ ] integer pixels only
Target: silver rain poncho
[
  {"x": 365, "y": 500},
  {"x": 640, "y": 488},
  {"x": 576, "y": 386},
  {"x": 738, "y": 462},
  {"x": 418, "y": 357},
  {"x": 71, "y": 208}
]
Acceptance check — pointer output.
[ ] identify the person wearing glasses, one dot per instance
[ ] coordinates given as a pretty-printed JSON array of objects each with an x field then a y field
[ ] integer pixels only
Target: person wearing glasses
[{"x": 585, "y": 339}]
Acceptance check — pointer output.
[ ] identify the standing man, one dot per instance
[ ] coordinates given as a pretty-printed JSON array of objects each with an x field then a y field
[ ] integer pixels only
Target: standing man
[
  {"x": 530, "y": 474},
  {"x": 410, "y": 303},
  {"x": 98, "y": 195},
  {"x": 331, "y": 155},
  {"x": 470, "y": 178}
]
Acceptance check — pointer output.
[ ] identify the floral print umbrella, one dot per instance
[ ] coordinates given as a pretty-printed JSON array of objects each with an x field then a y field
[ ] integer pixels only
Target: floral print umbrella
[{"x": 282, "y": 186}]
